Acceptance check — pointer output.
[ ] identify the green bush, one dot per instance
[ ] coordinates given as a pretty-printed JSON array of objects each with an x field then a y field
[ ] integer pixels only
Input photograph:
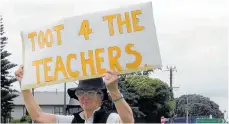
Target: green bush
[
  {"x": 16, "y": 121},
  {"x": 28, "y": 118},
  {"x": 24, "y": 119}
]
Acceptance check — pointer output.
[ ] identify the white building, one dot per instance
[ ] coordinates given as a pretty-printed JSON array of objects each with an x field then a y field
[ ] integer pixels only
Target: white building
[{"x": 51, "y": 102}]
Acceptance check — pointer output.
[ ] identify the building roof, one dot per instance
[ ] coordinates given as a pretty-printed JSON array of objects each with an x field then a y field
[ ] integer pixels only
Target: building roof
[{"x": 46, "y": 98}]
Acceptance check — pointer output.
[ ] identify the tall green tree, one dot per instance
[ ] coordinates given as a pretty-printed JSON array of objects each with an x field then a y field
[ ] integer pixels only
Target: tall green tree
[
  {"x": 197, "y": 105},
  {"x": 7, "y": 94}
]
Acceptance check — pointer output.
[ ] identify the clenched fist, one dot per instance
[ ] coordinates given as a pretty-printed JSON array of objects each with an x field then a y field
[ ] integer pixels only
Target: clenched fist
[{"x": 19, "y": 73}]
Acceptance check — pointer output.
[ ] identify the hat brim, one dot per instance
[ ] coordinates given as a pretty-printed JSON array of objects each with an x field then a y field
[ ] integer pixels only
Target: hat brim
[{"x": 71, "y": 93}]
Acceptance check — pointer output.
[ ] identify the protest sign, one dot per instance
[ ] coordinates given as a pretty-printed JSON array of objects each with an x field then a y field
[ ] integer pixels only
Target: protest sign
[{"x": 83, "y": 47}]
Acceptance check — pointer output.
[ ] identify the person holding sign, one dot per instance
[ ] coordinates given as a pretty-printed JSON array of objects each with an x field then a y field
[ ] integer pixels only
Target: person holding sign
[{"x": 90, "y": 93}]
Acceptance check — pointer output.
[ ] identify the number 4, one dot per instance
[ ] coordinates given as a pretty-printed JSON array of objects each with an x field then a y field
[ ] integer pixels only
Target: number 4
[{"x": 85, "y": 29}]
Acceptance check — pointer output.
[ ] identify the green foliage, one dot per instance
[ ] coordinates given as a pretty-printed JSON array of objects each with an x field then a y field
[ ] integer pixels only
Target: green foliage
[
  {"x": 150, "y": 98},
  {"x": 172, "y": 105},
  {"x": 197, "y": 106},
  {"x": 24, "y": 119},
  {"x": 143, "y": 84},
  {"x": 7, "y": 94},
  {"x": 16, "y": 121}
]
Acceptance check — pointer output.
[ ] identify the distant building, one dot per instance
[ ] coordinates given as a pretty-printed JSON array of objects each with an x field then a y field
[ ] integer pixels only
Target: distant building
[{"x": 50, "y": 102}]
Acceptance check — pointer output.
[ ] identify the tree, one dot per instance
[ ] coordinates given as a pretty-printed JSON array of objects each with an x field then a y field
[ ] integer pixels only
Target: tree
[
  {"x": 152, "y": 95},
  {"x": 7, "y": 94},
  {"x": 197, "y": 106},
  {"x": 149, "y": 98},
  {"x": 130, "y": 95}
]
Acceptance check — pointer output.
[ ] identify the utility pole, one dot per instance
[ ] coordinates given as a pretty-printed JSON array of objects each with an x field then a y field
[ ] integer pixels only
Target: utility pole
[
  {"x": 187, "y": 111},
  {"x": 33, "y": 91},
  {"x": 33, "y": 96},
  {"x": 64, "y": 99},
  {"x": 171, "y": 69}
]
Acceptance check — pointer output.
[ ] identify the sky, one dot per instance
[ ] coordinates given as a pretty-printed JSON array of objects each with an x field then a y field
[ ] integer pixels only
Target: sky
[{"x": 192, "y": 35}]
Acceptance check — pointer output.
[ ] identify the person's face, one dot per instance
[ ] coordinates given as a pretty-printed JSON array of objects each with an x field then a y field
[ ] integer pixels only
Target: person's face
[{"x": 89, "y": 99}]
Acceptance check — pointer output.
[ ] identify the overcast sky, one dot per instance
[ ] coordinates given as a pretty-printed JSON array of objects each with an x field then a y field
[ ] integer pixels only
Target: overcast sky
[{"x": 192, "y": 35}]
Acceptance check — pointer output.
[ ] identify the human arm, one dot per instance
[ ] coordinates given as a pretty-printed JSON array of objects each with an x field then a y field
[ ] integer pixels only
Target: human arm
[
  {"x": 122, "y": 107},
  {"x": 31, "y": 105}
]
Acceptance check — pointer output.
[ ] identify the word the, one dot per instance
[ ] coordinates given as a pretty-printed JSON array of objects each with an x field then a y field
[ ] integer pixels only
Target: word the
[{"x": 126, "y": 21}]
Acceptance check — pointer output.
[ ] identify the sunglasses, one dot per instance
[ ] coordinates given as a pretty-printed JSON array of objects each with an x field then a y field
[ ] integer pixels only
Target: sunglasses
[{"x": 89, "y": 93}]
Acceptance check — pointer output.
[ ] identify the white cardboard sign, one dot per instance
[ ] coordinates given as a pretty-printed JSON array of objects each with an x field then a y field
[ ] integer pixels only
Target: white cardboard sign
[{"x": 85, "y": 46}]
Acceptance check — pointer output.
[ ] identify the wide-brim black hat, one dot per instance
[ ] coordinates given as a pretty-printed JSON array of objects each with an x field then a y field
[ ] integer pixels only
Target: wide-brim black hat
[{"x": 89, "y": 84}]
